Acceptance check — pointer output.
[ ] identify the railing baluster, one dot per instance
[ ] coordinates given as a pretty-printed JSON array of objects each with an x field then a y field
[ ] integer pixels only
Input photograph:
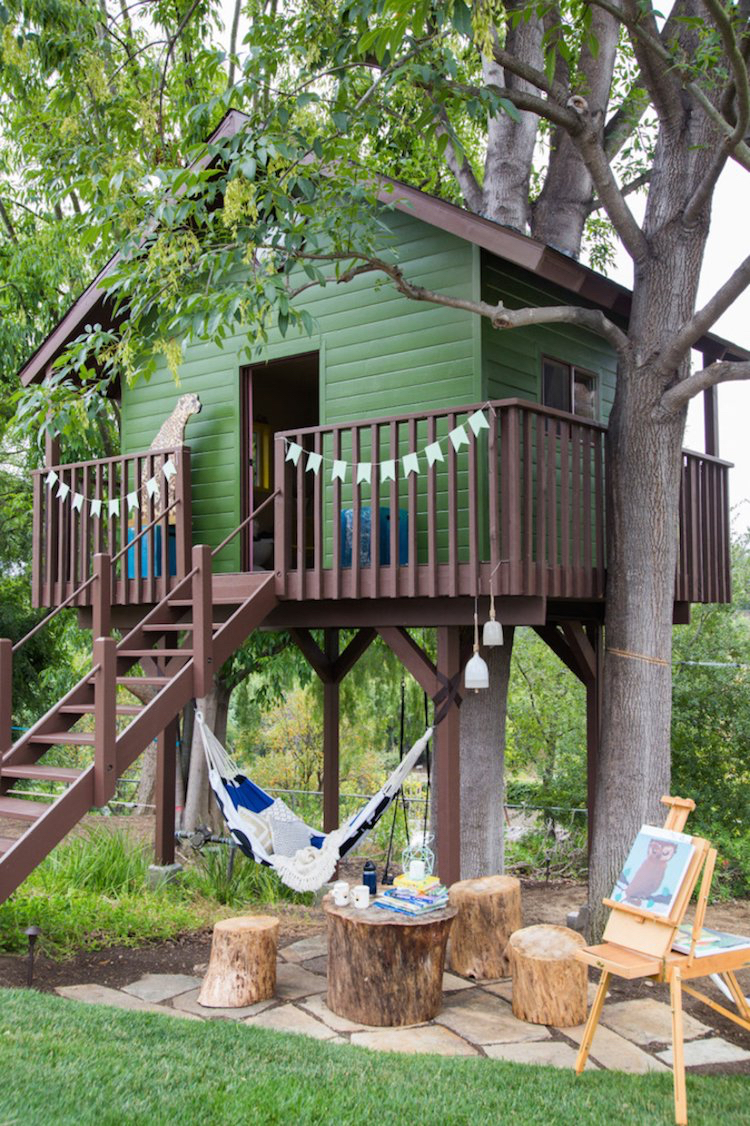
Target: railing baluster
[
  {"x": 432, "y": 555},
  {"x": 280, "y": 505},
  {"x": 541, "y": 506},
  {"x": 565, "y": 509},
  {"x": 37, "y": 540},
  {"x": 552, "y": 544},
  {"x": 395, "y": 514},
  {"x": 374, "y": 510},
  {"x": 336, "y": 529},
  {"x": 318, "y": 522},
  {"x": 62, "y": 591},
  {"x": 473, "y": 530},
  {"x": 528, "y": 500},
  {"x": 105, "y": 730},
  {"x": 511, "y": 472},
  {"x": 301, "y": 521},
  {"x": 356, "y": 517},
  {"x": 601, "y": 545},
  {"x": 453, "y": 585},
  {"x": 6, "y": 697},
  {"x": 575, "y": 441},
  {"x": 411, "y": 492},
  {"x": 183, "y": 493}
]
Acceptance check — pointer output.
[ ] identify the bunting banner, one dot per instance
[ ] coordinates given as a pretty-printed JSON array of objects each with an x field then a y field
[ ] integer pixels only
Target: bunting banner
[
  {"x": 113, "y": 504},
  {"x": 362, "y": 471}
]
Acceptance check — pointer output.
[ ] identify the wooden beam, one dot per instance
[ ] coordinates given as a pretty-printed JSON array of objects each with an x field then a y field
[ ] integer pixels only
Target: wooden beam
[
  {"x": 313, "y": 654},
  {"x": 413, "y": 658},
  {"x": 448, "y": 770},
  {"x": 555, "y": 639},
  {"x": 331, "y": 737},
  {"x": 354, "y": 650},
  {"x": 581, "y": 650}
]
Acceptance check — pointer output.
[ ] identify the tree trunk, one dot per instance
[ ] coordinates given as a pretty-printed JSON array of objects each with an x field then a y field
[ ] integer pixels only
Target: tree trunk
[
  {"x": 200, "y": 806},
  {"x": 482, "y": 767}
]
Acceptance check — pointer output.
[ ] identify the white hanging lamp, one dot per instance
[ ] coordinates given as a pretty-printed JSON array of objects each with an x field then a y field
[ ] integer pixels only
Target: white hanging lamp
[
  {"x": 492, "y": 634},
  {"x": 476, "y": 673}
]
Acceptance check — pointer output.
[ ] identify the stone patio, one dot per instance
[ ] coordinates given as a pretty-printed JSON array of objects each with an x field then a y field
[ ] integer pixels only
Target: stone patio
[{"x": 476, "y": 1019}]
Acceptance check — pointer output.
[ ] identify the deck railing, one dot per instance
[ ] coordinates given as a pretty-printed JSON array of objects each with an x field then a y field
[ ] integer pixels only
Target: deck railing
[
  {"x": 68, "y": 536},
  {"x": 523, "y": 506}
]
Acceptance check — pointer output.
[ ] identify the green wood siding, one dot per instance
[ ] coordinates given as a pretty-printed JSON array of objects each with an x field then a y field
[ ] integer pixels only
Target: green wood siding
[
  {"x": 380, "y": 354},
  {"x": 512, "y": 359}
]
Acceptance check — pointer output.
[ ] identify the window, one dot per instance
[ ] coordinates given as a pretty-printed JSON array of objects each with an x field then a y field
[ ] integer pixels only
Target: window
[{"x": 568, "y": 388}]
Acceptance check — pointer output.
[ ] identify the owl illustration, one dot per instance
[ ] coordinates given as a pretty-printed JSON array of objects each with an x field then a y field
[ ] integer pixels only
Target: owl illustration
[{"x": 649, "y": 879}]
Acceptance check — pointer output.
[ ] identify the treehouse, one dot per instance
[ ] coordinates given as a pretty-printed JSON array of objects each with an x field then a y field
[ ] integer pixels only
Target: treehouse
[{"x": 380, "y": 474}]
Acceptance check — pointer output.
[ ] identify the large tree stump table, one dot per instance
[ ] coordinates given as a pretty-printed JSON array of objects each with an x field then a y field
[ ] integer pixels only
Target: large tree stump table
[
  {"x": 549, "y": 984},
  {"x": 242, "y": 966},
  {"x": 385, "y": 968},
  {"x": 489, "y": 911}
]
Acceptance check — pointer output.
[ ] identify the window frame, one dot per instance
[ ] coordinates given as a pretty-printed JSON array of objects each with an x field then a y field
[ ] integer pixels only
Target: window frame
[{"x": 573, "y": 369}]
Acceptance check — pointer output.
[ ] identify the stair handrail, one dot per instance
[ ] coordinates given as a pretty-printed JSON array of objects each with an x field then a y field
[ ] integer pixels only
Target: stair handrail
[
  {"x": 92, "y": 578},
  {"x": 253, "y": 515}
]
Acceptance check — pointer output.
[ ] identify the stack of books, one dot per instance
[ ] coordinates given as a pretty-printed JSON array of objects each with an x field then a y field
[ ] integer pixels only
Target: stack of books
[{"x": 413, "y": 897}]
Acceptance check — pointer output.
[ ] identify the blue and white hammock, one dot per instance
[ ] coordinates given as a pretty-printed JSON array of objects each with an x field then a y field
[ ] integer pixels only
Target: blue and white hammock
[{"x": 267, "y": 830}]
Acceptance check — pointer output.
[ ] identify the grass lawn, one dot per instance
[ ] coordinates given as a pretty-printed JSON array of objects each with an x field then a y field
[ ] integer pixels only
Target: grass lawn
[{"x": 68, "y": 1063}]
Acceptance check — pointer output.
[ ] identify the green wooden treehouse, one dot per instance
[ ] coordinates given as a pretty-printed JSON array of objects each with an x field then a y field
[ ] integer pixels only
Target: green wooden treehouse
[{"x": 293, "y": 503}]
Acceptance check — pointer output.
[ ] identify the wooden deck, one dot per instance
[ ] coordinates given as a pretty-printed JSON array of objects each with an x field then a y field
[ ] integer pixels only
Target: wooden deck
[{"x": 521, "y": 506}]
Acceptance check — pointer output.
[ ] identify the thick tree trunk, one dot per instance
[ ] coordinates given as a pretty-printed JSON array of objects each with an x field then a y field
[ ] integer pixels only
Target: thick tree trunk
[
  {"x": 200, "y": 806},
  {"x": 482, "y": 767}
]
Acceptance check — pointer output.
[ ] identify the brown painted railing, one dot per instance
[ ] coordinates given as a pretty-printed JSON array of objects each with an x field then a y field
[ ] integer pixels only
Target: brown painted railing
[
  {"x": 524, "y": 502},
  {"x": 66, "y": 541}
]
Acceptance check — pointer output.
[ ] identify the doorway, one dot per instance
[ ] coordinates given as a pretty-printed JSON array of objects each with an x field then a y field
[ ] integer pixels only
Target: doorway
[{"x": 277, "y": 395}]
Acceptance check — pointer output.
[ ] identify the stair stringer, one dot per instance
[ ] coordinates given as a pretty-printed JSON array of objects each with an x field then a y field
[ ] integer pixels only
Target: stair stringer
[{"x": 72, "y": 805}]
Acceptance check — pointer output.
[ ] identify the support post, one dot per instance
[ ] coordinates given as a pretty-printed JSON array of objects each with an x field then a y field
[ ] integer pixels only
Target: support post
[
  {"x": 203, "y": 657},
  {"x": 593, "y": 724},
  {"x": 166, "y": 764},
  {"x": 448, "y": 737},
  {"x": 105, "y": 730},
  {"x": 184, "y": 514},
  {"x": 6, "y": 697},
  {"x": 331, "y": 738},
  {"x": 101, "y": 608}
]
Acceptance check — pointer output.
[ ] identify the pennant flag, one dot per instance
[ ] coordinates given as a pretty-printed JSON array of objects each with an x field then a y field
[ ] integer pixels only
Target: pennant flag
[
  {"x": 410, "y": 463},
  {"x": 63, "y": 491},
  {"x": 478, "y": 421},
  {"x": 96, "y": 507},
  {"x": 169, "y": 469},
  {"x": 114, "y": 508},
  {"x": 132, "y": 499},
  {"x": 434, "y": 453},
  {"x": 293, "y": 453},
  {"x": 364, "y": 472},
  {"x": 339, "y": 471},
  {"x": 459, "y": 437},
  {"x": 388, "y": 470},
  {"x": 50, "y": 479},
  {"x": 78, "y": 501},
  {"x": 152, "y": 487},
  {"x": 313, "y": 463}
]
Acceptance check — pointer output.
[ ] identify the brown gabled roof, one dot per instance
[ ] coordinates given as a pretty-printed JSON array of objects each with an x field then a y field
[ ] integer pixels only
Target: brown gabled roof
[{"x": 510, "y": 245}]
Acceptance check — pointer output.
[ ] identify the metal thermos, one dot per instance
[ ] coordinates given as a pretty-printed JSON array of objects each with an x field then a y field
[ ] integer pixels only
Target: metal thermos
[{"x": 370, "y": 877}]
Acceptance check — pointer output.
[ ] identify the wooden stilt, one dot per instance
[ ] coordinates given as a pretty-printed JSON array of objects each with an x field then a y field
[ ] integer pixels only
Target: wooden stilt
[
  {"x": 447, "y": 766},
  {"x": 166, "y": 763},
  {"x": 331, "y": 738},
  {"x": 591, "y": 1023},
  {"x": 680, "y": 1093}
]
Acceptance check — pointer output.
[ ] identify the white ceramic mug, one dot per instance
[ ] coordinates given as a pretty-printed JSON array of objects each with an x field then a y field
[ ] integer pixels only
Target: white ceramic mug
[
  {"x": 360, "y": 897},
  {"x": 341, "y": 893},
  {"x": 416, "y": 870}
]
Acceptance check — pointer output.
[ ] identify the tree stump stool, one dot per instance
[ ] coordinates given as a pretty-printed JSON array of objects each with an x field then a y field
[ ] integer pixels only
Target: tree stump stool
[
  {"x": 242, "y": 966},
  {"x": 549, "y": 985},
  {"x": 489, "y": 911},
  {"x": 384, "y": 968}
]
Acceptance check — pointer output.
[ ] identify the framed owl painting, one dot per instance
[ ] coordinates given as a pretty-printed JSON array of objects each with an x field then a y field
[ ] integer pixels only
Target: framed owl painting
[{"x": 652, "y": 875}]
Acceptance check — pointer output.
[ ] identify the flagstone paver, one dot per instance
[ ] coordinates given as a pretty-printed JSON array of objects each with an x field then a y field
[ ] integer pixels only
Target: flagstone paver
[
  {"x": 160, "y": 987},
  {"x": 188, "y": 1003},
  {"x": 426, "y": 1038},
  {"x": 648, "y": 1021},
  {"x": 103, "y": 995},
  {"x": 289, "y": 1018},
  {"x": 293, "y": 982},
  {"x": 615, "y": 1052},
  {"x": 549, "y": 1053},
  {"x": 483, "y": 1019},
  {"x": 502, "y": 989},
  {"x": 713, "y": 1050},
  {"x": 318, "y": 1007},
  {"x": 452, "y": 983},
  {"x": 305, "y": 948}
]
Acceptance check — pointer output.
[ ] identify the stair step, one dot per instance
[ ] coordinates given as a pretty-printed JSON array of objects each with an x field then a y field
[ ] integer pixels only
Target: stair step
[
  {"x": 43, "y": 773},
  {"x": 20, "y": 809},
  {"x": 175, "y": 629},
  {"x": 134, "y": 681},
  {"x": 64, "y": 738},
  {"x": 218, "y": 600},
  {"x": 5, "y": 843},
  {"x": 88, "y": 709},
  {"x": 155, "y": 653}
]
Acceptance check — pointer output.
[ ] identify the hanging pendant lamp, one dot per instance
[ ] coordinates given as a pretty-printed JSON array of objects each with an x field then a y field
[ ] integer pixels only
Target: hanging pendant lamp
[
  {"x": 476, "y": 673},
  {"x": 492, "y": 634}
]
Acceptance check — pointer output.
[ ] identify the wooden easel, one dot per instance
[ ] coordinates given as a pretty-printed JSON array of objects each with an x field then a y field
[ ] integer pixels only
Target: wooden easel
[{"x": 638, "y": 944}]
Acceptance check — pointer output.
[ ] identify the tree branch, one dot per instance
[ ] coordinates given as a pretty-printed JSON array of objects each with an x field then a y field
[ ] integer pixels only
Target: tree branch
[
  {"x": 627, "y": 189},
  {"x": 675, "y": 398},
  {"x": 703, "y": 319},
  {"x": 463, "y": 172},
  {"x": 7, "y": 223},
  {"x": 170, "y": 48}
]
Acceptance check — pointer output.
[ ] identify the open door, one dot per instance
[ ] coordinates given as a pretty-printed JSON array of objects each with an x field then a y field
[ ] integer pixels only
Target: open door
[{"x": 277, "y": 395}]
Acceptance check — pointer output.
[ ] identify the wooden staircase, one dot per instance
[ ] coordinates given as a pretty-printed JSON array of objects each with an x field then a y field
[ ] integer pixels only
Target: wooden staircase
[{"x": 178, "y": 645}]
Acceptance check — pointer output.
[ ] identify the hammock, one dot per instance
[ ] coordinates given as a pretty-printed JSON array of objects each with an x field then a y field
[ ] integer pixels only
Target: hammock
[{"x": 267, "y": 830}]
